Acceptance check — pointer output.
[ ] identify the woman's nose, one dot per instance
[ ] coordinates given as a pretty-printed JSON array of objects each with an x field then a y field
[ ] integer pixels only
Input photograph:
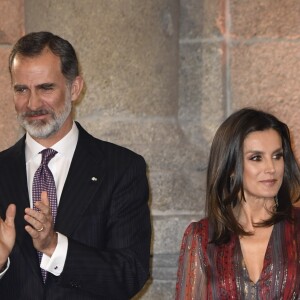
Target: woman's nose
[{"x": 269, "y": 167}]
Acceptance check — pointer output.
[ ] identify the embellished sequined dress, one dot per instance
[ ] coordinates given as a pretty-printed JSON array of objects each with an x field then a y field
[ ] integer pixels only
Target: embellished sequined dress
[{"x": 207, "y": 271}]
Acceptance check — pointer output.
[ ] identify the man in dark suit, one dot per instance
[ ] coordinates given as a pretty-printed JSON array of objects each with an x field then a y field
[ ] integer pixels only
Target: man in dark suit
[{"x": 98, "y": 247}]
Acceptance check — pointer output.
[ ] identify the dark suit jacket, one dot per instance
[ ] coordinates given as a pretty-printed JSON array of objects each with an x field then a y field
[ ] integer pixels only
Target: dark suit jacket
[{"x": 106, "y": 221}]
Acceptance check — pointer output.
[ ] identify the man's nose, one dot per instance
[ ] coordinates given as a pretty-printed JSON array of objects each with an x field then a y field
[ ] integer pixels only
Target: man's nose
[{"x": 34, "y": 101}]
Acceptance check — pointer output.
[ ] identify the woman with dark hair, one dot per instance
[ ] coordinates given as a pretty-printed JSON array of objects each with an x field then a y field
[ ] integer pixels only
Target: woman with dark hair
[{"x": 248, "y": 247}]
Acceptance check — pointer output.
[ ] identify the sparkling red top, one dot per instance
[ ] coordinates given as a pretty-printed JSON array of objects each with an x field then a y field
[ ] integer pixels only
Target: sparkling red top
[{"x": 207, "y": 271}]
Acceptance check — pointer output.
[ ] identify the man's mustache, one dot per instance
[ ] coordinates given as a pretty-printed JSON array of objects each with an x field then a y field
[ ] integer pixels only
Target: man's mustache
[{"x": 35, "y": 113}]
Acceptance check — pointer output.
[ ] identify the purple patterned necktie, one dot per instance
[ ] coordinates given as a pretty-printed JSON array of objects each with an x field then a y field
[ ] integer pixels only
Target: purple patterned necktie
[{"x": 43, "y": 181}]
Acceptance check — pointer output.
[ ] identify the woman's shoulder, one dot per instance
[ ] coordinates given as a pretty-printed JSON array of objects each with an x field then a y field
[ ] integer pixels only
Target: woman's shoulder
[
  {"x": 296, "y": 213},
  {"x": 296, "y": 209},
  {"x": 199, "y": 228},
  {"x": 196, "y": 237}
]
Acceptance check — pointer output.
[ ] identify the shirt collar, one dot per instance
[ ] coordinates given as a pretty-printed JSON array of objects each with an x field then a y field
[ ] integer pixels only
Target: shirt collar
[{"x": 66, "y": 146}]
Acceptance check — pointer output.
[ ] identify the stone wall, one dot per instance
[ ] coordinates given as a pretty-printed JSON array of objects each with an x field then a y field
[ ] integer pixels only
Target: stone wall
[
  {"x": 160, "y": 77},
  {"x": 11, "y": 28}
]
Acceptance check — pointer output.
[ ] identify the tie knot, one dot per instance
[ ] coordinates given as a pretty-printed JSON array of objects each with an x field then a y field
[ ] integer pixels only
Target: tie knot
[{"x": 47, "y": 155}]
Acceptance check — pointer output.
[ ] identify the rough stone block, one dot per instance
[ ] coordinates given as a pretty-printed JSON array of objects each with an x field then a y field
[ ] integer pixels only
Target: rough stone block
[
  {"x": 201, "y": 99},
  {"x": 177, "y": 190},
  {"x": 158, "y": 290},
  {"x": 128, "y": 52},
  {"x": 126, "y": 131},
  {"x": 271, "y": 81},
  {"x": 201, "y": 19},
  {"x": 165, "y": 266},
  {"x": 168, "y": 232},
  {"x": 11, "y": 21},
  {"x": 265, "y": 19},
  {"x": 8, "y": 124},
  {"x": 173, "y": 158}
]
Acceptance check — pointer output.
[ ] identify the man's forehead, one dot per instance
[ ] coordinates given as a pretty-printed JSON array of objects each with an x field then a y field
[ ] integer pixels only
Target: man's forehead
[{"x": 45, "y": 55}]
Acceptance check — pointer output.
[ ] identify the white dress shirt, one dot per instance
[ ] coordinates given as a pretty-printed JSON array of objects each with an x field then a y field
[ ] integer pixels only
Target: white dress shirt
[{"x": 59, "y": 166}]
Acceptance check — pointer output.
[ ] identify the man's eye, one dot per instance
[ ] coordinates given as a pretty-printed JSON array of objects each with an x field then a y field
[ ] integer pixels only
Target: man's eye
[
  {"x": 20, "y": 90},
  {"x": 47, "y": 87}
]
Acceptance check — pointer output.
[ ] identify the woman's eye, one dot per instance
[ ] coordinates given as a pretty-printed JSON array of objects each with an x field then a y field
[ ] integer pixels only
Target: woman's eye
[
  {"x": 255, "y": 158},
  {"x": 278, "y": 156}
]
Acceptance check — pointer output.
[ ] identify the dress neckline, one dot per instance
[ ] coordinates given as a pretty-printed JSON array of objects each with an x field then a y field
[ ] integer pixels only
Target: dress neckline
[{"x": 266, "y": 260}]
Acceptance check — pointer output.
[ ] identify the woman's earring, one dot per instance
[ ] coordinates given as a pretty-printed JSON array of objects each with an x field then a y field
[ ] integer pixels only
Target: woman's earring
[{"x": 276, "y": 201}]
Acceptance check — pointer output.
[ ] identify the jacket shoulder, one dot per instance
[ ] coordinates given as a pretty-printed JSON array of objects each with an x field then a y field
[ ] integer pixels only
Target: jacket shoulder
[
  {"x": 109, "y": 150},
  {"x": 12, "y": 152}
]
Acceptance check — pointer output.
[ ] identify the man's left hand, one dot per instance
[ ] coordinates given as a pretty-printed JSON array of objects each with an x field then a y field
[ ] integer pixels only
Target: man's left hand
[{"x": 40, "y": 226}]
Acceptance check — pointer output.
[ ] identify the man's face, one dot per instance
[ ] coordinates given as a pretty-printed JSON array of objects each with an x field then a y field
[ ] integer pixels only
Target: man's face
[{"x": 42, "y": 95}]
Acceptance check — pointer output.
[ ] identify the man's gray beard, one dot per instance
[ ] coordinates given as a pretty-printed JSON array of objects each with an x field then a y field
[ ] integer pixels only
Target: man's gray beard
[{"x": 41, "y": 129}]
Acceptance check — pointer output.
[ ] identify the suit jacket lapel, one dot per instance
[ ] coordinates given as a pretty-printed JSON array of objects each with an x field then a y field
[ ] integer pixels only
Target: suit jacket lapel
[
  {"x": 17, "y": 183},
  {"x": 83, "y": 180},
  {"x": 16, "y": 186}
]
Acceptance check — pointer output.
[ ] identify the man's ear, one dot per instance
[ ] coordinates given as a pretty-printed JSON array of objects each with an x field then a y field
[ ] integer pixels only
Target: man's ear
[{"x": 76, "y": 88}]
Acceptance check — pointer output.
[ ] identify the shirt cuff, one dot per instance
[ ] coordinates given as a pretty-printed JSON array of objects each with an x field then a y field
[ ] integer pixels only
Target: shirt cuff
[
  {"x": 55, "y": 264},
  {"x": 4, "y": 271}
]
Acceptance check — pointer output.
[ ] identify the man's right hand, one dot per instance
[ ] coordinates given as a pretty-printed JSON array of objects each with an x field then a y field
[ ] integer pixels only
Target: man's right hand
[{"x": 7, "y": 234}]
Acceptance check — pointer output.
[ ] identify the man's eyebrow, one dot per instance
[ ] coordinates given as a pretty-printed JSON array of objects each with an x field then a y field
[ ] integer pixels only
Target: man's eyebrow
[
  {"x": 45, "y": 85},
  {"x": 19, "y": 86},
  {"x": 39, "y": 86}
]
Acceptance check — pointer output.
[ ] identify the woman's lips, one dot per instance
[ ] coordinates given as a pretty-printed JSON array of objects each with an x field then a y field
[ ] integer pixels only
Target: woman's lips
[{"x": 269, "y": 181}]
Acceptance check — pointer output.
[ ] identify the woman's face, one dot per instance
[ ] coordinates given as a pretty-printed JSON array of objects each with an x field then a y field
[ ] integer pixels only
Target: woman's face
[{"x": 263, "y": 164}]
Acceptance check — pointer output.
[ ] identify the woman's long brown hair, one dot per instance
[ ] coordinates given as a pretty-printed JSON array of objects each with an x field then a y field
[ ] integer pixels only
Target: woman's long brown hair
[{"x": 225, "y": 191}]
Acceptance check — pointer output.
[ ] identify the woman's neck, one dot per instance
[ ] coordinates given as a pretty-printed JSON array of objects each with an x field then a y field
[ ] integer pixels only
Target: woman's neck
[{"x": 253, "y": 211}]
